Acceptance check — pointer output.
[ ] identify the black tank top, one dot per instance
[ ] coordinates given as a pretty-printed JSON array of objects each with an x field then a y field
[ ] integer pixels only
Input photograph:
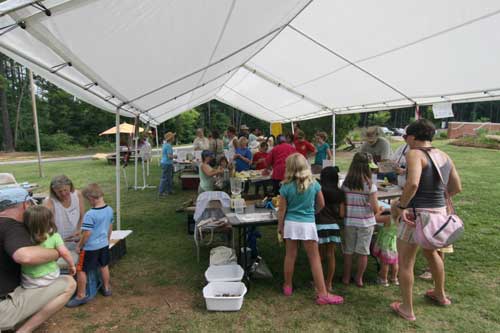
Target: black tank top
[{"x": 431, "y": 191}]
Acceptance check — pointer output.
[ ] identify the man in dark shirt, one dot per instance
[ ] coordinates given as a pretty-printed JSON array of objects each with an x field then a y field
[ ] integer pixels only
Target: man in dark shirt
[{"x": 17, "y": 305}]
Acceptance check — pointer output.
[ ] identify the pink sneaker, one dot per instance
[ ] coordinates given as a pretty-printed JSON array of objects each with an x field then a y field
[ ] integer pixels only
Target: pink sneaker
[
  {"x": 329, "y": 299},
  {"x": 287, "y": 291}
]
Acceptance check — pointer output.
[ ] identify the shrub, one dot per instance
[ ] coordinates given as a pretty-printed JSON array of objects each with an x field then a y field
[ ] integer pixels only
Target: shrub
[{"x": 57, "y": 141}]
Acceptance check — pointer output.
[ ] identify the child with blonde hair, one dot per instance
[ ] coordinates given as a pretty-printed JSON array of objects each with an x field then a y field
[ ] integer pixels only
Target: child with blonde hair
[
  {"x": 300, "y": 198},
  {"x": 43, "y": 231},
  {"x": 94, "y": 243}
]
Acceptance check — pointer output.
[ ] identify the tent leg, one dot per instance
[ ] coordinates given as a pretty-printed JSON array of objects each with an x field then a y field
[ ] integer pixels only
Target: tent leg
[
  {"x": 35, "y": 123},
  {"x": 135, "y": 161},
  {"x": 293, "y": 132},
  {"x": 117, "y": 169},
  {"x": 334, "y": 162}
]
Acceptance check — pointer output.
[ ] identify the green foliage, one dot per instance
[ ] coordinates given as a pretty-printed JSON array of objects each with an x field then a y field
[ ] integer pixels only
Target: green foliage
[
  {"x": 343, "y": 125},
  {"x": 443, "y": 135},
  {"x": 381, "y": 118}
]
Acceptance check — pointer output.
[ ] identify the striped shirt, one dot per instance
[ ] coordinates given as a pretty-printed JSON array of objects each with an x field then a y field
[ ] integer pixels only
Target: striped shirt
[{"x": 359, "y": 212}]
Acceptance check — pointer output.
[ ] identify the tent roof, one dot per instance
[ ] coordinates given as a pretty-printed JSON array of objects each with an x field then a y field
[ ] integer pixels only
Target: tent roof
[
  {"x": 125, "y": 128},
  {"x": 277, "y": 60}
]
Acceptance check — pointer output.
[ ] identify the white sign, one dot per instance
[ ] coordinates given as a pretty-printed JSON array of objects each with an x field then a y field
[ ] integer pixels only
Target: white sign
[{"x": 442, "y": 110}]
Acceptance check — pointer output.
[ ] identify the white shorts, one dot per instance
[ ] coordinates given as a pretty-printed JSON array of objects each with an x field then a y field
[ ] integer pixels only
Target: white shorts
[
  {"x": 29, "y": 282},
  {"x": 300, "y": 231}
]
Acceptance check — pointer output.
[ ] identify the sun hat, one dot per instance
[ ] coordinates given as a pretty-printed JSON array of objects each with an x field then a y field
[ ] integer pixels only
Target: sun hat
[
  {"x": 169, "y": 136},
  {"x": 11, "y": 196}
]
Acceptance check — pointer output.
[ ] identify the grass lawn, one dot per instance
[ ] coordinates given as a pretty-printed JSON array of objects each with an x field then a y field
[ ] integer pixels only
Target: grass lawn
[{"x": 158, "y": 285}]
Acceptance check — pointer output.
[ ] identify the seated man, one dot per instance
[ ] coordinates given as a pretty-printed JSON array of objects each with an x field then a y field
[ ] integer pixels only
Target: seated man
[{"x": 18, "y": 305}]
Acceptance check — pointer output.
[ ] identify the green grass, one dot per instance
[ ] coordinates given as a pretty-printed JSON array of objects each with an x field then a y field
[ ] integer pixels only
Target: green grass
[{"x": 161, "y": 265}]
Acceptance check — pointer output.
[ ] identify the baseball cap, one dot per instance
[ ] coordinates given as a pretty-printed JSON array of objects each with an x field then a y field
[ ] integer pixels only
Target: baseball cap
[
  {"x": 207, "y": 153},
  {"x": 11, "y": 196}
]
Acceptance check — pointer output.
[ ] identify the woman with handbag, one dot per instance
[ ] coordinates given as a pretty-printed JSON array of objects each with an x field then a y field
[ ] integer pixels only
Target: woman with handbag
[{"x": 431, "y": 180}]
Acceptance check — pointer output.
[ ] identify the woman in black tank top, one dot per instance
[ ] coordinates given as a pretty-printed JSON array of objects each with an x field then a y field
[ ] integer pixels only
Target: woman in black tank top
[{"x": 423, "y": 191}]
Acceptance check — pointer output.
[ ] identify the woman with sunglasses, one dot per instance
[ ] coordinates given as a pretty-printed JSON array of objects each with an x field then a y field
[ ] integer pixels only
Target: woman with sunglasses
[{"x": 423, "y": 191}]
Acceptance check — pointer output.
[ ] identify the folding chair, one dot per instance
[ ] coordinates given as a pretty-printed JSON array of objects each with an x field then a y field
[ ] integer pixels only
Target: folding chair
[{"x": 209, "y": 205}]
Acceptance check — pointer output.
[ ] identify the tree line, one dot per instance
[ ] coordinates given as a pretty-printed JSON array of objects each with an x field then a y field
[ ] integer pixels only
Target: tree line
[{"x": 65, "y": 121}]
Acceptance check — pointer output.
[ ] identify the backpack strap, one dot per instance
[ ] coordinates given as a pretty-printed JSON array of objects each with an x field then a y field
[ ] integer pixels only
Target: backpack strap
[{"x": 436, "y": 166}]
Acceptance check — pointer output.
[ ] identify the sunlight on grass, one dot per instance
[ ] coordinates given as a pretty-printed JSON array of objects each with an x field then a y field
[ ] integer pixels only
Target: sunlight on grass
[{"x": 161, "y": 260}]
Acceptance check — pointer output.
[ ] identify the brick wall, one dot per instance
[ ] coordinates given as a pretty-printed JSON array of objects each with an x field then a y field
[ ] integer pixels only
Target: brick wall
[{"x": 458, "y": 129}]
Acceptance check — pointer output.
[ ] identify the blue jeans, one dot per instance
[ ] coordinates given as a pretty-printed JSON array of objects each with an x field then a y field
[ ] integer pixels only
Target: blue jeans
[{"x": 167, "y": 178}]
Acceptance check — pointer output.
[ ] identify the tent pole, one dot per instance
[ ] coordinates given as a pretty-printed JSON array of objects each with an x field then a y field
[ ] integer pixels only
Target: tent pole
[
  {"x": 35, "y": 123},
  {"x": 293, "y": 132},
  {"x": 333, "y": 139},
  {"x": 117, "y": 168}
]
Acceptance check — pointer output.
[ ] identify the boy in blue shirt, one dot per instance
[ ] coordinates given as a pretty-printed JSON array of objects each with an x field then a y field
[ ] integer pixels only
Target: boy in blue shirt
[
  {"x": 167, "y": 165},
  {"x": 94, "y": 243}
]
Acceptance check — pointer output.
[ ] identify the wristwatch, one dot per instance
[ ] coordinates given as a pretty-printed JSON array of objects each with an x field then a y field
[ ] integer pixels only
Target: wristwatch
[{"x": 401, "y": 207}]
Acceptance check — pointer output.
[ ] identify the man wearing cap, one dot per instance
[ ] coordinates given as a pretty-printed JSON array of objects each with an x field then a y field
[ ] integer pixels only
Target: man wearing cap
[
  {"x": 378, "y": 146},
  {"x": 17, "y": 305},
  {"x": 244, "y": 131},
  {"x": 200, "y": 142}
]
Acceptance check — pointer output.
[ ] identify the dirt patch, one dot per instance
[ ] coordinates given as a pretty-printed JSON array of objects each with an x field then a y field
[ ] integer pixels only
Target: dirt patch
[{"x": 121, "y": 312}]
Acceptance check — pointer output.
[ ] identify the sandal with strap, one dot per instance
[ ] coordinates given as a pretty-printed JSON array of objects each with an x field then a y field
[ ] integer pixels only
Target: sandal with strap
[
  {"x": 329, "y": 299},
  {"x": 395, "y": 307},
  {"x": 287, "y": 291},
  {"x": 442, "y": 302}
]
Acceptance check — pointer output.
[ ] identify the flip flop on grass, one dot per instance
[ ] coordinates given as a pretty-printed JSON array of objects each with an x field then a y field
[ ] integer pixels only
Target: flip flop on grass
[
  {"x": 395, "y": 307},
  {"x": 443, "y": 302}
]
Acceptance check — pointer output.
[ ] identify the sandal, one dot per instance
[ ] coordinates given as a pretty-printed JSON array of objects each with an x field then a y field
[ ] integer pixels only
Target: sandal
[
  {"x": 382, "y": 282},
  {"x": 395, "y": 307},
  {"x": 443, "y": 302},
  {"x": 287, "y": 291},
  {"x": 395, "y": 281},
  {"x": 329, "y": 299}
]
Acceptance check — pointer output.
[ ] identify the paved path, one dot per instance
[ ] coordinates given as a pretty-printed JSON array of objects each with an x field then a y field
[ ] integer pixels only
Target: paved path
[
  {"x": 156, "y": 152},
  {"x": 47, "y": 160}
]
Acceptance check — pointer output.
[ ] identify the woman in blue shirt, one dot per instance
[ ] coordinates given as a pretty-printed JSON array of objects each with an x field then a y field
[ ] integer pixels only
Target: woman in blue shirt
[
  {"x": 242, "y": 155},
  {"x": 167, "y": 166},
  {"x": 323, "y": 151}
]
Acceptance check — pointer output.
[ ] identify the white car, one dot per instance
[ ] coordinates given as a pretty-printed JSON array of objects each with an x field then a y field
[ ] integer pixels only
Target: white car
[{"x": 386, "y": 131}]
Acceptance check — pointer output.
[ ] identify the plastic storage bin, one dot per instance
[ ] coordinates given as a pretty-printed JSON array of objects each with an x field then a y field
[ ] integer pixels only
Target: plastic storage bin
[
  {"x": 224, "y": 273},
  {"x": 216, "y": 301}
]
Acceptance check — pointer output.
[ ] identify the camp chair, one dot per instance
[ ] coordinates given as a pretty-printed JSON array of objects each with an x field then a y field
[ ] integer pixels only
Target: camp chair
[{"x": 209, "y": 206}]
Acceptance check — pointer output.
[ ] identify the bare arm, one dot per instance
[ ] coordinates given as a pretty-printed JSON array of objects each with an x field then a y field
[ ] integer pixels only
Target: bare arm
[
  {"x": 82, "y": 213},
  {"x": 342, "y": 210},
  {"x": 66, "y": 255},
  {"x": 414, "y": 171},
  {"x": 281, "y": 214},
  {"x": 210, "y": 172},
  {"x": 454, "y": 183},
  {"x": 374, "y": 202},
  {"x": 320, "y": 201},
  {"x": 34, "y": 255},
  {"x": 83, "y": 240},
  {"x": 329, "y": 154},
  {"x": 109, "y": 232}
]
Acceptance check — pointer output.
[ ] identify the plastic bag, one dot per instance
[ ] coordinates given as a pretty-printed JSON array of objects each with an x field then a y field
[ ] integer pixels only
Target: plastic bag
[
  {"x": 222, "y": 255},
  {"x": 259, "y": 270}
]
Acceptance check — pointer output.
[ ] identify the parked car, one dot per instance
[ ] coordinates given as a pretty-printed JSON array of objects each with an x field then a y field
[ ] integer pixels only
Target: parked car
[
  {"x": 386, "y": 131},
  {"x": 398, "y": 131}
]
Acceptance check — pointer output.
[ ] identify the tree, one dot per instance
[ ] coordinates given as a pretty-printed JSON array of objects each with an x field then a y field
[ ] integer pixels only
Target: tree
[{"x": 8, "y": 139}]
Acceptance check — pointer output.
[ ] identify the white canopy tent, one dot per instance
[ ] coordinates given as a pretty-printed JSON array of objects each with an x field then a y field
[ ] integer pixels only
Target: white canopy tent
[{"x": 280, "y": 60}]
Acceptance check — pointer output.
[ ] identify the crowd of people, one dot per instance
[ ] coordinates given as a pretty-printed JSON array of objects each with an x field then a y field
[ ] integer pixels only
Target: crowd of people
[
  {"x": 36, "y": 239},
  {"x": 325, "y": 215}
]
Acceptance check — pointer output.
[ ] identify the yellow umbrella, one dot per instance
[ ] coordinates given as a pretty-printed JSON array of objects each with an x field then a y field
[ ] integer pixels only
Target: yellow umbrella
[{"x": 124, "y": 128}]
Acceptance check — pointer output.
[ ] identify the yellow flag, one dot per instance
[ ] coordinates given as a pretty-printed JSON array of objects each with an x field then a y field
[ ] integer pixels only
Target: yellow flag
[{"x": 276, "y": 129}]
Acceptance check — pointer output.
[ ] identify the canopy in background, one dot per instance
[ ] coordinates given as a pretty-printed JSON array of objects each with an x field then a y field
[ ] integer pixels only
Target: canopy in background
[
  {"x": 279, "y": 60},
  {"x": 125, "y": 128}
]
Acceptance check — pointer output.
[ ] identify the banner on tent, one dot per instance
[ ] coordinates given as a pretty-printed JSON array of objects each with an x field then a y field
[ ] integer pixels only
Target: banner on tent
[{"x": 442, "y": 110}]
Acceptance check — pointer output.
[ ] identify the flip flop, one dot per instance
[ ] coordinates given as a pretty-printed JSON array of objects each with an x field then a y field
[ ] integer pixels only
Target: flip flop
[
  {"x": 395, "y": 307},
  {"x": 430, "y": 295},
  {"x": 287, "y": 291},
  {"x": 329, "y": 299}
]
